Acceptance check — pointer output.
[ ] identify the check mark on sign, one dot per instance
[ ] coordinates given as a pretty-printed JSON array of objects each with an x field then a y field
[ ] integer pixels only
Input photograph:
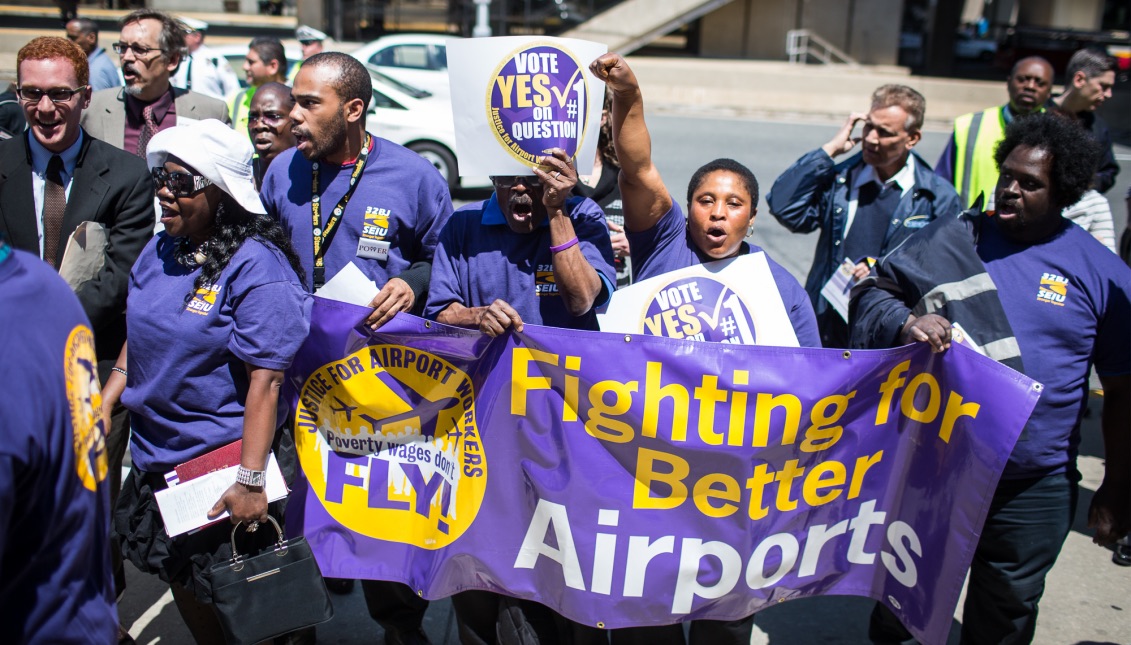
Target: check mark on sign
[
  {"x": 713, "y": 319},
  {"x": 565, "y": 93}
]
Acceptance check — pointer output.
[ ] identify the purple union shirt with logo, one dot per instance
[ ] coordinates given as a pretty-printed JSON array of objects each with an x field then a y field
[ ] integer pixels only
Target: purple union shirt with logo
[
  {"x": 480, "y": 258},
  {"x": 666, "y": 247},
  {"x": 187, "y": 380}
]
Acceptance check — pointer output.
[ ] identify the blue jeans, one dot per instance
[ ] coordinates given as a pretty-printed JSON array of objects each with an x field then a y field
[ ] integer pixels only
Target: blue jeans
[{"x": 1024, "y": 531}]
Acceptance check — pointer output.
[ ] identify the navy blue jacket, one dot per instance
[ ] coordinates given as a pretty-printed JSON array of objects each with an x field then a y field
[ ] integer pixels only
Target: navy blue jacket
[{"x": 813, "y": 194}]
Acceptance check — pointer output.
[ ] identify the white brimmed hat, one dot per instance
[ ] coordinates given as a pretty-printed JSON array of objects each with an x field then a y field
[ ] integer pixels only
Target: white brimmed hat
[
  {"x": 214, "y": 150},
  {"x": 192, "y": 24},
  {"x": 306, "y": 33}
]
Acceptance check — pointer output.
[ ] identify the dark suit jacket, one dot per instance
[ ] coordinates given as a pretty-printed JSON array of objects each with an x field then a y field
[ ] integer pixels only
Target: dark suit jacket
[
  {"x": 105, "y": 118},
  {"x": 110, "y": 187}
]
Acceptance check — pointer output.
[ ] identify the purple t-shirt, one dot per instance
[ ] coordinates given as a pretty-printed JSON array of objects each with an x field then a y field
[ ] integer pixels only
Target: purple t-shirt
[
  {"x": 56, "y": 583},
  {"x": 480, "y": 259},
  {"x": 1068, "y": 300},
  {"x": 667, "y": 247},
  {"x": 188, "y": 381},
  {"x": 401, "y": 202}
]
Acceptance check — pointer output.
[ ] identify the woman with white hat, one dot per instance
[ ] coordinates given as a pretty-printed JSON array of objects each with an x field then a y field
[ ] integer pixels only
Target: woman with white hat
[{"x": 216, "y": 311}]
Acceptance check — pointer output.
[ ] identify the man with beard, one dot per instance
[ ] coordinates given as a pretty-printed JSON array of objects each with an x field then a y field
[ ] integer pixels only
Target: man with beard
[
  {"x": 151, "y": 46},
  {"x": 1040, "y": 295},
  {"x": 529, "y": 254},
  {"x": 864, "y": 206},
  {"x": 372, "y": 203},
  {"x": 968, "y": 160},
  {"x": 269, "y": 125},
  {"x": 266, "y": 62}
]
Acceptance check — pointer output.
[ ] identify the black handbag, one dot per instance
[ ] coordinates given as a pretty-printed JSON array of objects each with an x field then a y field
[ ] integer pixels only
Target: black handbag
[{"x": 270, "y": 594}]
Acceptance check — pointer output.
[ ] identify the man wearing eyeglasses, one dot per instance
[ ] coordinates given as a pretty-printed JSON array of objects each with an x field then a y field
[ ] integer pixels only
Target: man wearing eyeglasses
[
  {"x": 151, "y": 47},
  {"x": 54, "y": 177}
]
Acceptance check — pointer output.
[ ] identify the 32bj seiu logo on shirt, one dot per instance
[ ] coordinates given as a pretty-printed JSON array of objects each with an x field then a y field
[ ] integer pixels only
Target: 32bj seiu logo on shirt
[
  {"x": 1053, "y": 289},
  {"x": 376, "y": 225},
  {"x": 203, "y": 300},
  {"x": 545, "y": 284}
]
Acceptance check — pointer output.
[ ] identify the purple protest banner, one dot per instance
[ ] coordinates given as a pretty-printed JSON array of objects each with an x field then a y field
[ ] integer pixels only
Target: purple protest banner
[{"x": 634, "y": 480}]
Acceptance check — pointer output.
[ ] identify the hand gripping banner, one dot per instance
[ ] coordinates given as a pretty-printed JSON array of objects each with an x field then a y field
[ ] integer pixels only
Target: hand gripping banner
[{"x": 638, "y": 480}]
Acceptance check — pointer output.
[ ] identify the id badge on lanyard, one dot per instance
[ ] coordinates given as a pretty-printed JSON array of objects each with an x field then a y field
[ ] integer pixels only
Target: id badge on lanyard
[{"x": 324, "y": 231}]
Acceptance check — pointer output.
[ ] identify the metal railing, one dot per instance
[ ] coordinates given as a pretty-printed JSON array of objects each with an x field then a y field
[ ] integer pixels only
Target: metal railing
[{"x": 804, "y": 46}]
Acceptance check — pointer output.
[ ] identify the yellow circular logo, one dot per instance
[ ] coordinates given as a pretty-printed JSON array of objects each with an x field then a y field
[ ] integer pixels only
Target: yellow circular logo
[
  {"x": 538, "y": 101},
  {"x": 388, "y": 440},
  {"x": 84, "y": 395}
]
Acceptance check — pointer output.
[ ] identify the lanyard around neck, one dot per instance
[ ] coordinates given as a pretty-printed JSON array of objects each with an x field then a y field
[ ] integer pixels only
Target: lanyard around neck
[{"x": 324, "y": 234}]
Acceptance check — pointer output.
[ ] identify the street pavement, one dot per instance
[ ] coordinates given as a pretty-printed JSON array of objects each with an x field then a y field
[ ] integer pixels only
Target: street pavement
[{"x": 1088, "y": 599}]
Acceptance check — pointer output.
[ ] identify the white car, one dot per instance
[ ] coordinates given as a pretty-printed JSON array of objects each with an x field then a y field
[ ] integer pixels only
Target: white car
[
  {"x": 416, "y": 120},
  {"x": 420, "y": 60},
  {"x": 399, "y": 112}
]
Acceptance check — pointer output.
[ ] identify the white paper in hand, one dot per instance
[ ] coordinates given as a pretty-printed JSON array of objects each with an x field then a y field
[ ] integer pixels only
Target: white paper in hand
[
  {"x": 349, "y": 285},
  {"x": 839, "y": 287},
  {"x": 85, "y": 254},
  {"x": 185, "y": 507}
]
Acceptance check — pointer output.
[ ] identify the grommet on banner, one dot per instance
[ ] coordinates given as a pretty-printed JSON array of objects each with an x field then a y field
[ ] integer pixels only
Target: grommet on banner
[
  {"x": 627, "y": 338},
  {"x": 420, "y": 592},
  {"x": 428, "y": 324},
  {"x": 600, "y": 625},
  {"x": 847, "y": 354},
  {"x": 1038, "y": 387}
]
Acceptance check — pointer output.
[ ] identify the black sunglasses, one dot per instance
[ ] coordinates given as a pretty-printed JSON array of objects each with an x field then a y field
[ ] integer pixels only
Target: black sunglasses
[
  {"x": 509, "y": 181},
  {"x": 181, "y": 184}
]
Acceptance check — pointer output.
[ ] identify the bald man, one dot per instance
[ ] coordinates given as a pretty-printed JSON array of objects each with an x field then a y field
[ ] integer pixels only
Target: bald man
[
  {"x": 103, "y": 72},
  {"x": 968, "y": 161},
  {"x": 269, "y": 125}
]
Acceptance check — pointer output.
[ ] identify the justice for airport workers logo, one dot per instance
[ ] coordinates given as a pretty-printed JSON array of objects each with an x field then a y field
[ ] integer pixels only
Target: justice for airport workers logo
[
  {"x": 388, "y": 440},
  {"x": 84, "y": 396},
  {"x": 699, "y": 308},
  {"x": 537, "y": 101}
]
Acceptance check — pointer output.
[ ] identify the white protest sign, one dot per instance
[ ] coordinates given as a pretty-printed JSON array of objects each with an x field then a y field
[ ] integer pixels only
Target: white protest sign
[
  {"x": 728, "y": 301},
  {"x": 515, "y": 98}
]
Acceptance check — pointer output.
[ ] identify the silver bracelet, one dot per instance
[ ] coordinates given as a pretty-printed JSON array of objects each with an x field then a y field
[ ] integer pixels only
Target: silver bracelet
[
  {"x": 120, "y": 371},
  {"x": 256, "y": 478}
]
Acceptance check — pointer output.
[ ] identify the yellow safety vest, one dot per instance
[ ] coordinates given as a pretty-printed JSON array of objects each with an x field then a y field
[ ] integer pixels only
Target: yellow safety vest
[
  {"x": 975, "y": 137},
  {"x": 239, "y": 105}
]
